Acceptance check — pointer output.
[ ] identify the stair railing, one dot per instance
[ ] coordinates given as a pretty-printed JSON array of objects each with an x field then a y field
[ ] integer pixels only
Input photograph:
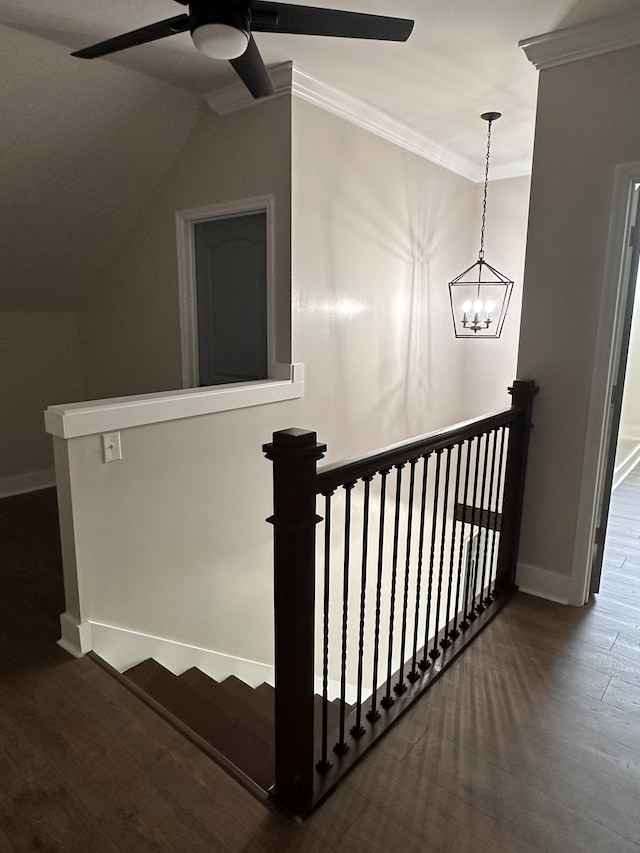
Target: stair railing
[{"x": 420, "y": 540}]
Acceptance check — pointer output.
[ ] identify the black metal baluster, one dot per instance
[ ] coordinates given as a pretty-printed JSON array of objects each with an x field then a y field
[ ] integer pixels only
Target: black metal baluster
[
  {"x": 373, "y": 714},
  {"x": 425, "y": 663},
  {"x": 499, "y": 507},
  {"x": 471, "y": 586},
  {"x": 388, "y": 700},
  {"x": 342, "y": 746},
  {"x": 466, "y": 622},
  {"x": 434, "y": 654},
  {"x": 480, "y": 608},
  {"x": 357, "y": 730},
  {"x": 445, "y": 642},
  {"x": 400, "y": 687},
  {"x": 460, "y": 604},
  {"x": 486, "y": 581},
  {"x": 414, "y": 675},
  {"x": 324, "y": 764}
]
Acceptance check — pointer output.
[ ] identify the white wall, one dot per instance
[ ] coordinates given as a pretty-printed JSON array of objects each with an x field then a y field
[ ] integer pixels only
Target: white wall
[
  {"x": 39, "y": 364},
  {"x": 377, "y": 233},
  {"x": 587, "y": 123},
  {"x": 83, "y": 146},
  {"x": 171, "y": 540}
]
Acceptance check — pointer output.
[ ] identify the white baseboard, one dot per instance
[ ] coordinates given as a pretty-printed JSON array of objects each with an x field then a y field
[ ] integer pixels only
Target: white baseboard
[
  {"x": 123, "y": 649},
  {"x": 31, "y": 482},
  {"x": 75, "y": 636},
  {"x": 543, "y": 583},
  {"x": 626, "y": 466}
]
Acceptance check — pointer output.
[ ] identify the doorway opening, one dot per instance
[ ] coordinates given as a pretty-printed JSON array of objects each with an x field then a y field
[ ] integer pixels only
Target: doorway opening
[
  {"x": 620, "y": 448},
  {"x": 628, "y": 442},
  {"x": 226, "y": 293}
]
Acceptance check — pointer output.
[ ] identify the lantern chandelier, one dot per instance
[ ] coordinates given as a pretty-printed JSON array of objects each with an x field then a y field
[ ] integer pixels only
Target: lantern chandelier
[{"x": 480, "y": 295}]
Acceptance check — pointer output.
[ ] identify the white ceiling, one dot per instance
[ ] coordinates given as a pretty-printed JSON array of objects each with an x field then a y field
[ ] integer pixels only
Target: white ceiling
[{"x": 461, "y": 60}]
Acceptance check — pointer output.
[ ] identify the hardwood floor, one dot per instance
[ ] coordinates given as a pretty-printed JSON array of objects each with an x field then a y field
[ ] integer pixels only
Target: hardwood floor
[{"x": 532, "y": 742}]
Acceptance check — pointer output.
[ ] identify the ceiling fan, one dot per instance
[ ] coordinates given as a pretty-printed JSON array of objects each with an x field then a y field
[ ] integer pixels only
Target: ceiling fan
[{"x": 221, "y": 29}]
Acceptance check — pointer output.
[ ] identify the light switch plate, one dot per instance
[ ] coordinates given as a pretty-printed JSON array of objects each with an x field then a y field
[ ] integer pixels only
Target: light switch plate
[{"x": 111, "y": 448}]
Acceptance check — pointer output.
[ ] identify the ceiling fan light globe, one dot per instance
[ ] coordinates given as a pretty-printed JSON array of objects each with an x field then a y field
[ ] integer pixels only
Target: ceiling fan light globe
[{"x": 220, "y": 41}]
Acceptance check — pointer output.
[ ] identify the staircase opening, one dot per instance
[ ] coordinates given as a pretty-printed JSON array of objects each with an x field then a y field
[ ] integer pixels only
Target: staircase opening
[{"x": 386, "y": 568}]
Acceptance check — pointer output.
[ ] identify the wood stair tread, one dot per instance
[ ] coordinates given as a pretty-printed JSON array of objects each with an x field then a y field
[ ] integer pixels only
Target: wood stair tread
[
  {"x": 234, "y": 689},
  {"x": 267, "y": 696},
  {"x": 267, "y": 703},
  {"x": 231, "y": 699},
  {"x": 264, "y": 694},
  {"x": 236, "y": 719},
  {"x": 224, "y": 730}
]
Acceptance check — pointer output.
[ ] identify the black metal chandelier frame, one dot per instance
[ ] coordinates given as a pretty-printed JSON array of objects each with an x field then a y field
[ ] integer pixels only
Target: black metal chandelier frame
[{"x": 481, "y": 294}]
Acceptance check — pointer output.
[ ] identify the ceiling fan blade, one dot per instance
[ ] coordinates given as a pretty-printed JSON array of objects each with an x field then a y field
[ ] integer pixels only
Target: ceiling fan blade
[
  {"x": 170, "y": 27},
  {"x": 252, "y": 71},
  {"x": 314, "y": 21}
]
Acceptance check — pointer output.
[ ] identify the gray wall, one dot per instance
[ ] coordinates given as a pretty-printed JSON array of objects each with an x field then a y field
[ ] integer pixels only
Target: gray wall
[
  {"x": 83, "y": 147},
  {"x": 588, "y": 123},
  {"x": 130, "y": 325}
]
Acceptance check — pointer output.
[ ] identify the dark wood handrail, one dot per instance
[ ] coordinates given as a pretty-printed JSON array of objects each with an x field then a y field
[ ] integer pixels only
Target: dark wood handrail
[
  {"x": 332, "y": 476},
  {"x": 297, "y": 482}
]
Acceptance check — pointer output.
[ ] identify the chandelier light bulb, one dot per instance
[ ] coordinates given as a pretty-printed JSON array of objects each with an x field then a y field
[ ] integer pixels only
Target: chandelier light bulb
[
  {"x": 478, "y": 305},
  {"x": 466, "y": 306},
  {"x": 490, "y": 306}
]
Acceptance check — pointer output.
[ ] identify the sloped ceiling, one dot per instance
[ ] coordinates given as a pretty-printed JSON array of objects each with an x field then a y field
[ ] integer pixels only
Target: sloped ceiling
[{"x": 81, "y": 150}]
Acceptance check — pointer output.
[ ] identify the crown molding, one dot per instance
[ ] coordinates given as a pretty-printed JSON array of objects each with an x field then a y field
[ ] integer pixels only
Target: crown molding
[
  {"x": 381, "y": 124},
  {"x": 583, "y": 41},
  {"x": 289, "y": 79}
]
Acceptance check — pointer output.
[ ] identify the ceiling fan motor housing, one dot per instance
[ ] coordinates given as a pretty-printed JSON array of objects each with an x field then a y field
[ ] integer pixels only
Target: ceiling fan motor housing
[{"x": 230, "y": 12}]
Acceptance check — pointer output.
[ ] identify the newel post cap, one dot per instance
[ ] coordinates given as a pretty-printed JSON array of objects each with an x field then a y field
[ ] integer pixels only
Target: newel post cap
[
  {"x": 294, "y": 444},
  {"x": 523, "y": 391}
]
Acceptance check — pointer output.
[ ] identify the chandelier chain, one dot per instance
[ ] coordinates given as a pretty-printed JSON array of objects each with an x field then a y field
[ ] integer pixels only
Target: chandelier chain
[{"x": 484, "y": 200}]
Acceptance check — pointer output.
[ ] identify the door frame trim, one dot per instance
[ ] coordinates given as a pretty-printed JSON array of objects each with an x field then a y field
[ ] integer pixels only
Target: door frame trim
[
  {"x": 607, "y": 357},
  {"x": 185, "y": 244}
]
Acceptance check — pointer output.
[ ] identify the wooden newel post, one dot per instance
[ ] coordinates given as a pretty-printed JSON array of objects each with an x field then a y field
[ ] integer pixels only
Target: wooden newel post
[
  {"x": 522, "y": 394},
  {"x": 294, "y": 453}
]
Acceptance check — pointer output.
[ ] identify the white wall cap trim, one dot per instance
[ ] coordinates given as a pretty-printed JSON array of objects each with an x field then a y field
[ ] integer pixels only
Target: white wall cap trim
[
  {"x": 290, "y": 79},
  {"x": 569, "y": 44},
  {"x": 77, "y": 419}
]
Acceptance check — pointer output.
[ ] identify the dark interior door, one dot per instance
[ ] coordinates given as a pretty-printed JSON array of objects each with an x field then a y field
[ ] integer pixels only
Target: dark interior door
[{"x": 231, "y": 297}]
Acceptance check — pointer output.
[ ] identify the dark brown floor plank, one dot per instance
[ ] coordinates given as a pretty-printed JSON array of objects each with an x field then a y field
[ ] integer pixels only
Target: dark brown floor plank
[{"x": 530, "y": 743}]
